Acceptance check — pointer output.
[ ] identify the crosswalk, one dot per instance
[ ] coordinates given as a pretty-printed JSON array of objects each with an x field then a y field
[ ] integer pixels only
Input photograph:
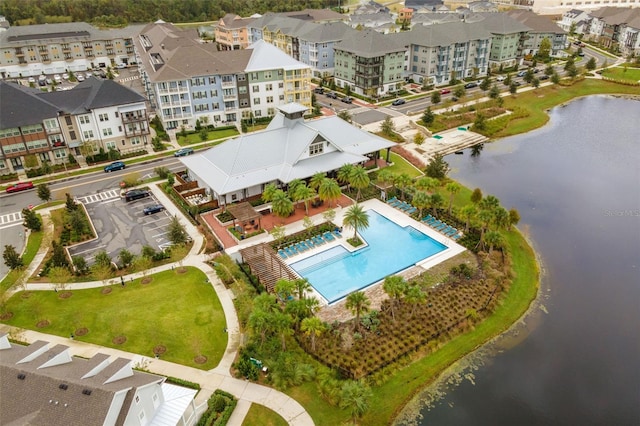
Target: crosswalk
[
  {"x": 11, "y": 219},
  {"x": 100, "y": 196},
  {"x": 133, "y": 77}
]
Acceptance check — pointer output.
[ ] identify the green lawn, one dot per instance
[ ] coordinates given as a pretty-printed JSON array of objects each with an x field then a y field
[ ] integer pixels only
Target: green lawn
[
  {"x": 33, "y": 244},
  {"x": 213, "y": 134},
  {"x": 400, "y": 165},
  {"x": 261, "y": 415},
  {"x": 619, "y": 73},
  {"x": 178, "y": 311}
]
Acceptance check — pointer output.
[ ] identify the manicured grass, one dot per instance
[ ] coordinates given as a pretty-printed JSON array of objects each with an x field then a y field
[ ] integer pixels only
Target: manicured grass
[
  {"x": 619, "y": 73},
  {"x": 33, "y": 244},
  {"x": 194, "y": 138},
  {"x": 261, "y": 415},
  {"x": 179, "y": 311},
  {"x": 400, "y": 165}
]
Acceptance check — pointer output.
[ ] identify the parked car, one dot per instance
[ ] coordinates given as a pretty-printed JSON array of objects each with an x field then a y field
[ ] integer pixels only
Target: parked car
[
  {"x": 522, "y": 73},
  {"x": 319, "y": 90},
  {"x": 332, "y": 95},
  {"x": 454, "y": 98},
  {"x": 80, "y": 77},
  {"x": 57, "y": 78},
  {"x": 65, "y": 76},
  {"x": 471, "y": 85},
  {"x": 88, "y": 74},
  {"x": 182, "y": 152},
  {"x": 42, "y": 82},
  {"x": 347, "y": 99},
  {"x": 398, "y": 101},
  {"x": 543, "y": 77},
  {"x": 155, "y": 208},
  {"x": 122, "y": 66},
  {"x": 500, "y": 78},
  {"x": 116, "y": 165},
  {"x": 445, "y": 91},
  {"x": 20, "y": 186},
  {"x": 136, "y": 194}
]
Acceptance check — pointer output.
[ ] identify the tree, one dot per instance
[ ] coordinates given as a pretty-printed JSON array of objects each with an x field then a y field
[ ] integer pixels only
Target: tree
[
  {"x": 329, "y": 215},
  {"x": 31, "y": 220},
  {"x": 549, "y": 70},
  {"x": 529, "y": 75},
  {"x": 329, "y": 190},
  {"x": 428, "y": 117},
  {"x": 426, "y": 183},
  {"x": 284, "y": 289},
  {"x": 437, "y": 167},
  {"x": 292, "y": 186},
  {"x": 494, "y": 93},
  {"x": 555, "y": 78},
  {"x": 403, "y": 181},
  {"x": 268, "y": 193},
  {"x": 513, "y": 88},
  {"x": 573, "y": 71},
  {"x": 301, "y": 287},
  {"x": 485, "y": 84},
  {"x": 501, "y": 217},
  {"x": 281, "y": 204},
  {"x": 359, "y": 179},
  {"x": 468, "y": 212},
  {"x": 345, "y": 115},
  {"x": 485, "y": 217},
  {"x": 535, "y": 82},
  {"x": 126, "y": 257},
  {"x": 44, "y": 193},
  {"x": 453, "y": 188},
  {"x": 102, "y": 258},
  {"x": 11, "y": 257},
  {"x": 259, "y": 322},
  {"x": 420, "y": 201},
  {"x": 281, "y": 324},
  {"x": 102, "y": 272},
  {"x": 395, "y": 286},
  {"x": 572, "y": 29},
  {"x": 493, "y": 239},
  {"x": 591, "y": 64},
  {"x": 480, "y": 123},
  {"x": 459, "y": 92},
  {"x": 357, "y": 302},
  {"x": 70, "y": 204},
  {"x": 436, "y": 200},
  {"x": 78, "y": 221},
  {"x": 80, "y": 265},
  {"x": 316, "y": 180},
  {"x": 59, "y": 276},
  {"x": 418, "y": 138},
  {"x": 313, "y": 327},
  {"x": 278, "y": 232},
  {"x": 476, "y": 196},
  {"x": 176, "y": 232},
  {"x": 59, "y": 256},
  {"x": 545, "y": 49},
  {"x": 304, "y": 193},
  {"x": 514, "y": 217},
  {"x": 356, "y": 218},
  {"x": 508, "y": 80},
  {"x": 387, "y": 127},
  {"x": 490, "y": 202},
  {"x": 570, "y": 62},
  {"x": 355, "y": 396},
  {"x": 414, "y": 295},
  {"x": 435, "y": 97},
  {"x": 344, "y": 174}
]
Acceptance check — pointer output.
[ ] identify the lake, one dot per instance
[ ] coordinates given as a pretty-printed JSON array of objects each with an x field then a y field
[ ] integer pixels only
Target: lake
[{"x": 576, "y": 184}]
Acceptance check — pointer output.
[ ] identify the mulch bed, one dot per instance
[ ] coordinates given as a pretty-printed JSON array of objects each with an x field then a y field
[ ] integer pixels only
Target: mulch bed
[
  {"x": 118, "y": 340},
  {"x": 159, "y": 350},
  {"x": 65, "y": 295},
  {"x": 200, "y": 359},
  {"x": 182, "y": 270},
  {"x": 146, "y": 280},
  {"x": 81, "y": 331},
  {"x": 106, "y": 290},
  {"x": 42, "y": 323},
  {"x": 6, "y": 316},
  {"x": 25, "y": 295}
]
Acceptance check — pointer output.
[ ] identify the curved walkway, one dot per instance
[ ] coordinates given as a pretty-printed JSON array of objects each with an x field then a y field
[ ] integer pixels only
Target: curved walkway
[{"x": 217, "y": 378}]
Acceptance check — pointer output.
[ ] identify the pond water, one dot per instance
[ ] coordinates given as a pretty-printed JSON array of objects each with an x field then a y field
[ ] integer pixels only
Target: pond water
[{"x": 576, "y": 184}]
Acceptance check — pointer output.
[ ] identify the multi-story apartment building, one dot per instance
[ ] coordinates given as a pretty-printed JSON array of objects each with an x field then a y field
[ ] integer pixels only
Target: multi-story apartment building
[
  {"x": 46, "y": 127},
  {"x": 436, "y": 53},
  {"x": 188, "y": 81},
  {"x": 56, "y": 48},
  {"x": 558, "y": 7},
  {"x": 232, "y": 33},
  {"x": 578, "y": 19},
  {"x": 540, "y": 28},
  {"x": 507, "y": 39},
  {"x": 370, "y": 64},
  {"x": 616, "y": 27}
]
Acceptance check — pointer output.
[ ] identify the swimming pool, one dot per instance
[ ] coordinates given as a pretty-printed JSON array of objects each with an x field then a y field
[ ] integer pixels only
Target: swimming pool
[{"x": 336, "y": 272}]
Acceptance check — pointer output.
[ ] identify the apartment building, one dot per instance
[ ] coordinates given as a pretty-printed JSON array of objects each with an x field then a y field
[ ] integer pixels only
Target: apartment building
[
  {"x": 46, "y": 127},
  {"x": 616, "y": 27},
  {"x": 231, "y": 32},
  {"x": 507, "y": 38},
  {"x": 436, "y": 53},
  {"x": 33, "y": 50},
  {"x": 187, "y": 80},
  {"x": 540, "y": 28},
  {"x": 370, "y": 64}
]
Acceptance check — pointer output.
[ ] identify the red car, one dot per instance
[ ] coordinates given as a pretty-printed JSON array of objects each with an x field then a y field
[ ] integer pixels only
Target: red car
[
  {"x": 20, "y": 186},
  {"x": 445, "y": 91}
]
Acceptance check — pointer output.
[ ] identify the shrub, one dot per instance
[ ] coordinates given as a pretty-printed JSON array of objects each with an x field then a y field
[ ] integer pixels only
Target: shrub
[{"x": 162, "y": 172}]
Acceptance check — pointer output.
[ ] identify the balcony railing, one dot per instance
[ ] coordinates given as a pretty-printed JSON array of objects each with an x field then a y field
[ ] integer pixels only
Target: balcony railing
[
  {"x": 228, "y": 83},
  {"x": 127, "y": 118}
]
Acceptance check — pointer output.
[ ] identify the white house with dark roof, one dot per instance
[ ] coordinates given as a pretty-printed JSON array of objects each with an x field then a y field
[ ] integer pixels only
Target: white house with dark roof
[
  {"x": 43, "y": 385},
  {"x": 289, "y": 148}
]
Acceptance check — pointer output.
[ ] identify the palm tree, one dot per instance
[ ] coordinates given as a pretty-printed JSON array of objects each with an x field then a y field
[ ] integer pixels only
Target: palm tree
[
  {"x": 304, "y": 193},
  {"x": 259, "y": 323},
  {"x": 501, "y": 218},
  {"x": 281, "y": 324},
  {"x": 281, "y": 204},
  {"x": 493, "y": 239},
  {"x": 485, "y": 217},
  {"x": 357, "y": 303},
  {"x": 344, "y": 173},
  {"x": 355, "y": 397},
  {"x": 269, "y": 191},
  {"x": 436, "y": 201},
  {"x": 468, "y": 212},
  {"x": 453, "y": 188},
  {"x": 284, "y": 288},
  {"x": 293, "y": 186},
  {"x": 316, "y": 180},
  {"x": 402, "y": 181},
  {"x": 395, "y": 287},
  {"x": 384, "y": 177},
  {"x": 313, "y": 327},
  {"x": 490, "y": 202},
  {"x": 427, "y": 183},
  {"x": 359, "y": 179},
  {"x": 421, "y": 201},
  {"x": 415, "y": 296},
  {"x": 356, "y": 218},
  {"x": 301, "y": 287},
  {"x": 329, "y": 190}
]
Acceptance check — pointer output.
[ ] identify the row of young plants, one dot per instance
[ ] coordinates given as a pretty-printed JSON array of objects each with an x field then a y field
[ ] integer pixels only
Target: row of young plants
[{"x": 220, "y": 406}]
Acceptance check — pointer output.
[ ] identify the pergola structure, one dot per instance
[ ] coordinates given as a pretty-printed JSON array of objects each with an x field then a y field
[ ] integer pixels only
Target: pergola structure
[
  {"x": 246, "y": 215},
  {"x": 267, "y": 265}
]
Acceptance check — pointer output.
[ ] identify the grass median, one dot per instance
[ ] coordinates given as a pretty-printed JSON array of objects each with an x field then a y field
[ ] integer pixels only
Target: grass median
[{"x": 177, "y": 315}]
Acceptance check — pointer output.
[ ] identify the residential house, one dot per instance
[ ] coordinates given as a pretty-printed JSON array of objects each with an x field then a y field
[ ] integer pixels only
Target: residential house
[
  {"x": 616, "y": 27},
  {"x": 33, "y": 50},
  {"x": 289, "y": 148},
  {"x": 558, "y": 7},
  {"x": 231, "y": 32},
  {"x": 383, "y": 22},
  {"x": 187, "y": 81},
  {"x": 47, "y": 385},
  {"x": 482, "y": 6},
  {"x": 541, "y": 27},
  {"x": 436, "y": 53},
  {"x": 429, "y": 5},
  {"x": 370, "y": 64},
  {"x": 48, "y": 126}
]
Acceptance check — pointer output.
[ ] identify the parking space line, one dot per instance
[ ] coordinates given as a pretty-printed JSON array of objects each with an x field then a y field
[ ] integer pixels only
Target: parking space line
[
  {"x": 88, "y": 250},
  {"x": 159, "y": 235}
]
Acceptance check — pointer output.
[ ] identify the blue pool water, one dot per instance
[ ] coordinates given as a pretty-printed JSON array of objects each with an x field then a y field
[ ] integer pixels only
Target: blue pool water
[{"x": 336, "y": 272}]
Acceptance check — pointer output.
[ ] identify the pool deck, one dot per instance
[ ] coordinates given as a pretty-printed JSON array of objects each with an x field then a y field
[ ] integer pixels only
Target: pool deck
[{"x": 386, "y": 210}]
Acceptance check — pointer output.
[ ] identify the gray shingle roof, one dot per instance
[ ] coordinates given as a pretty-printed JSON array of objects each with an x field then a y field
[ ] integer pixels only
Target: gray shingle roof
[
  {"x": 537, "y": 23},
  {"x": 501, "y": 23},
  {"x": 65, "y": 32},
  {"x": 21, "y": 106},
  {"x": 369, "y": 43},
  {"x": 444, "y": 34}
]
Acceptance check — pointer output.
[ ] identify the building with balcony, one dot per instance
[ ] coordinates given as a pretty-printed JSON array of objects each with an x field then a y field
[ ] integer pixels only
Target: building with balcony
[
  {"x": 616, "y": 27},
  {"x": 231, "y": 32},
  {"x": 508, "y": 36},
  {"x": 33, "y": 50},
  {"x": 45, "y": 127},
  {"x": 188, "y": 81},
  {"x": 540, "y": 28}
]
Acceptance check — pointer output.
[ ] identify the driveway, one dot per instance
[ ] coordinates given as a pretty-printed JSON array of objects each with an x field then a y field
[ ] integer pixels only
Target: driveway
[{"x": 120, "y": 224}]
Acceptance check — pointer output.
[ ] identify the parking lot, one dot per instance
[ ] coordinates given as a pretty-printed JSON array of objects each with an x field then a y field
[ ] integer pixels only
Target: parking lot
[{"x": 120, "y": 224}]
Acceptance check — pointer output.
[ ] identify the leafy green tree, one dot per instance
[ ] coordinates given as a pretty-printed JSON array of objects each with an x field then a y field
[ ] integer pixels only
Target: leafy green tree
[
  {"x": 259, "y": 323},
  {"x": 176, "y": 232},
  {"x": 453, "y": 188},
  {"x": 313, "y": 327},
  {"x": 480, "y": 122},
  {"x": 544, "y": 51},
  {"x": 555, "y": 78},
  {"x": 301, "y": 287},
  {"x": 31, "y": 220},
  {"x": 591, "y": 64},
  {"x": 529, "y": 75},
  {"x": 468, "y": 212},
  {"x": 59, "y": 256},
  {"x": 359, "y": 179},
  {"x": 485, "y": 217},
  {"x": 70, "y": 204},
  {"x": 501, "y": 217},
  {"x": 387, "y": 127},
  {"x": 358, "y": 303},
  {"x": 494, "y": 93},
  {"x": 304, "y": 193},
  {"x": 316, "y": 180},
  {"x": 419, "y": 138},
  {"x": 355, "y": 397},
  {"x": 126, "y": 257},
  {"x": 570, "y": 63},
  {"x": 535, "y": 82},
  {"x": 426, "y": 183},
  {"x": 437, "y": 167},
  {"x": 59, "y": 276},
  {"x": 329, "y": 190},
  {"x": 44, "y": 192},
  {"x": 402, "y": 182},
  {"x": 490, "y": 202},
  {"x": 385, "y": 177},
  {"x": 80, "y": 264},
  {"x": 428, "y": 117},
  {"x": 78, "y": 221},
  {"x": 420, "y": 201},
  {"x": 414, "y": 295},
  {"x": 436, "y": 200},
  {"x": 281, "y": 204},
  {"x": 269, "y": 192},
  {"x": 11, "y": 257},
  {"x": 102, "y": 258},
  {"x": 476, "y": 196},
  {"x": 493, "y": 239},
  {"x": 344, "y": 174},
  {"x": 514, "y": 217},
  {"x": 485, "y": 84},
  {"x": 355, "y": 217},
  {"x": 459, "y": 92},
  {"x": 345, "y": 115},
  {"x": 435, "y": 97},
  {"x": 549, "y": 70},
  {"x": 508, "y": 80},
  {"x": 281, "y": 324}
]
